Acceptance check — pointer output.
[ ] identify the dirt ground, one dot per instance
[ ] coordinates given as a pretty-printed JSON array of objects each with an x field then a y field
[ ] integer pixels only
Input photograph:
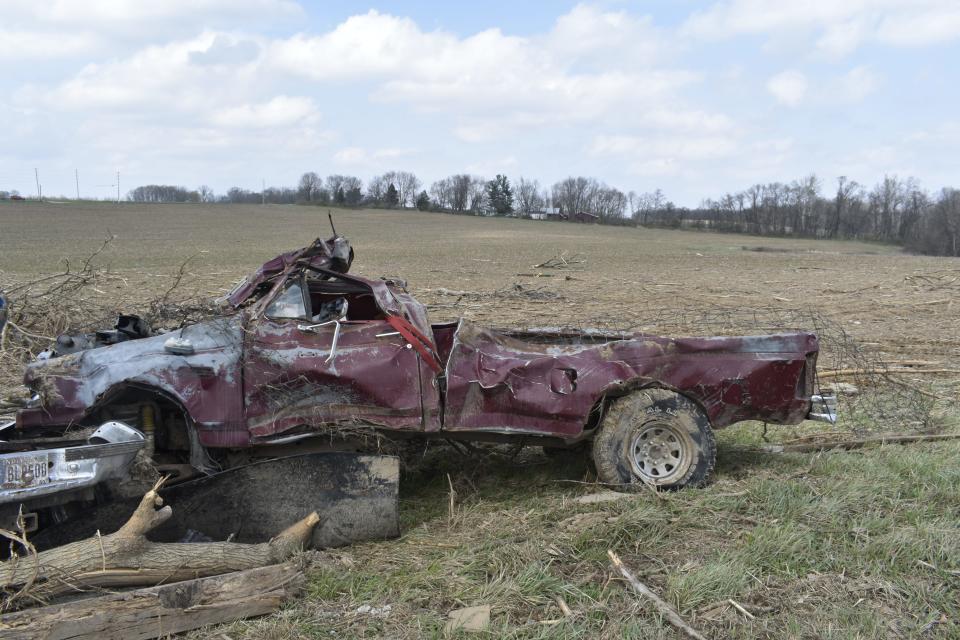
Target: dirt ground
[{"x": 858, "y": 544}]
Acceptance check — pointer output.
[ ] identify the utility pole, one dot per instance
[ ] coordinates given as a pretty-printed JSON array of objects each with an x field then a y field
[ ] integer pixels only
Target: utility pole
[
  {"x": 76, "y": 175},
  {"x": 36, "y": 174},
  {"x": 118, "y": 186}
]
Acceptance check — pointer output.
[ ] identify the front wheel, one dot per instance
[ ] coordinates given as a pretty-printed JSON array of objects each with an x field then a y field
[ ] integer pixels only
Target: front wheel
[{"x": 654, "y": 437}]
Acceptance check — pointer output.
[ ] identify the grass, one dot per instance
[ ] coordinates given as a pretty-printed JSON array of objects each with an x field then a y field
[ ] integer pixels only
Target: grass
[{"x": 848, "y": 544}]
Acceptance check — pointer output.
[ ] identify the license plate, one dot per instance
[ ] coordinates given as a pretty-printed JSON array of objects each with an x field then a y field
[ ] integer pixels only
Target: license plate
[{"x": 24, "y": 471}]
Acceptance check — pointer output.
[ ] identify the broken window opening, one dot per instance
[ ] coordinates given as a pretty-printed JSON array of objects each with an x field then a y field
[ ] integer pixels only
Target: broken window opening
[{"x": 289, "y": 305}]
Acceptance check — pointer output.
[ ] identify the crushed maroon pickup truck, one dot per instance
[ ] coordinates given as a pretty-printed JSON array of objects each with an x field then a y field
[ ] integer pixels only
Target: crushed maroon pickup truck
[{"x": 308, "y": 351}]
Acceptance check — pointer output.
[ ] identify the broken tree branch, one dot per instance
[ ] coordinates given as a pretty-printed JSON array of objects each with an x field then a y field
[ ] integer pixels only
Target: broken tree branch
[
  {"x": 739, "y": 607},
  {"x": 844, "y": 373},
  {"x": 562, "y": 261},
  {"x": 127, "y": 558},
  {"x": 161, "y": 611},
  {"x": 810, "y": 447},
  {"x": 668, "y": 612}
]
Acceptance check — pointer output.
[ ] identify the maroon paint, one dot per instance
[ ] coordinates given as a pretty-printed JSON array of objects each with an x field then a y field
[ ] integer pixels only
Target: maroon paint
[{"x": 499, "y": 383}]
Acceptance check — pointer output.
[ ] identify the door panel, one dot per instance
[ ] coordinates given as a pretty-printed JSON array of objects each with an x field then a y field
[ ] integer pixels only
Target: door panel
[{"x": 373, "y": 378}]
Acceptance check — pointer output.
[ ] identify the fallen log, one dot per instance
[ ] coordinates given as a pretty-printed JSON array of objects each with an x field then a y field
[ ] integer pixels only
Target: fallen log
[
  {"x": 128, "y": 558},
  {"x": 160, "y": 611},
  {"x": 826, "y": 445},
  {"x": 843, "y": 373}
]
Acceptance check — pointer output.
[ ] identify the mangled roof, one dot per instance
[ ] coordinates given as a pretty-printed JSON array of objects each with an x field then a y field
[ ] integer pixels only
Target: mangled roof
[{"x": 334, "y": 254}]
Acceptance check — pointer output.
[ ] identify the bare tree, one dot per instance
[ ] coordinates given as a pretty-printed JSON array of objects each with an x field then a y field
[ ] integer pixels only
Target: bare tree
[
  {"x": 886, "y": 203},
  {"x": 608, "y": 203},
  {"x": 163, "y": 193},
  {"x": 916, "y": 204},
  {"x": 441, "y": 192},
  {"x": 460, "y": 192},
  {"x": 847, "y": 191},
  {"x": 377, "y": 188},
  {"x": 573, "y": 194},
  {"x": 479, "y": 203},
  {"x": 407, "y": 186},
  {"x": 647, "y": 204},
  {"x": 309, "y": 185},
  {"x": 527, "y": 195}
]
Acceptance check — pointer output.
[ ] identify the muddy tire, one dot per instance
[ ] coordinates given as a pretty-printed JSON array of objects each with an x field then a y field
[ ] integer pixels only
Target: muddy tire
[{"x": 655, "y": 437}]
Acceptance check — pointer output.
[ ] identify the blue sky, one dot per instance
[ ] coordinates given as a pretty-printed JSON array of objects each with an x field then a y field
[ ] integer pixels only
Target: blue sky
[{"x": 695, "y": 98}]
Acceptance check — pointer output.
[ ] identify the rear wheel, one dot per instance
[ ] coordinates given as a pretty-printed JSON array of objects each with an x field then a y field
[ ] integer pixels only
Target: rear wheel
[{"x": 655, "y": 437}]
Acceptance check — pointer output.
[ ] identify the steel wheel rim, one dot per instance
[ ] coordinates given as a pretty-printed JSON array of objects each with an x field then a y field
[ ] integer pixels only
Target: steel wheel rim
[{"x": 660, "y": 453}]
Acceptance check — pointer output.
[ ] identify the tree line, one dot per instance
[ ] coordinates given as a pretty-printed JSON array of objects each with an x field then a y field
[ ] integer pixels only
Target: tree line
[{"x": 895, "y": 210}]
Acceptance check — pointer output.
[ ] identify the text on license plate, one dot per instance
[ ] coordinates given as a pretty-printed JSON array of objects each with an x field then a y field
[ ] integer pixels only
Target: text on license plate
[{"x": 27, "y": 471}]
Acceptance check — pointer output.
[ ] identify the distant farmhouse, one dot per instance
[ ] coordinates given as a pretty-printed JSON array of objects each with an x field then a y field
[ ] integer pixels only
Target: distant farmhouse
[
  {"x": 548, "y": 213},
  {"x": 584, "y": 217},
  {"x": 556, "y": 213}
]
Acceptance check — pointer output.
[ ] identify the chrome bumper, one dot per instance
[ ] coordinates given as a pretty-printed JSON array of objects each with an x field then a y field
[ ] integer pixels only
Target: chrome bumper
[
  {"x": 32, "y": 474},
  {"x": 823, "y": 408}
]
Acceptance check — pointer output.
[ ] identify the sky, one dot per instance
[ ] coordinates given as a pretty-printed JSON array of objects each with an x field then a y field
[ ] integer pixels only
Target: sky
[{"x": 694, "y": 98}]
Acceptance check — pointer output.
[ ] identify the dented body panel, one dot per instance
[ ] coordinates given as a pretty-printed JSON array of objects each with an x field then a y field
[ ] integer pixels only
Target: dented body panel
[
  {"x": 496, "y": 382},
  {"x": 371, "y": 380},
  {"x": 207, "y": 384}
]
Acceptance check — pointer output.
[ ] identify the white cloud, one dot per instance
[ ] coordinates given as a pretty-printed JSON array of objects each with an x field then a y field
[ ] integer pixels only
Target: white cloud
[
  {"x": 792, "y": 88},
  {"x": 587, "y": 32},
  {"x": 788, "y": 87},
  {"x": 496, "y": 82},
  {"x": 842, "y": 38},
  {"x": 659, "y": 154},
  {"x": 34, "y": 45},
  {"x": 921, "y": 28},
  {"x": 493, "y": 166},
  {"x": 676, "y": 147},
  {"x": 838, "y": 27},
  {"x": 361, "y": 157},
  {"x": 133, "y": 17},
  {"x": 227, "y": 50},
  {"x": 159, "y": 79},
  {"x": 81, "y": 29},
  {"x": 277, "y": 112},
  {"x": 592, "y": 65},
  {"x": 856, "y": 84},
  {"x": 351, "y": 155}
]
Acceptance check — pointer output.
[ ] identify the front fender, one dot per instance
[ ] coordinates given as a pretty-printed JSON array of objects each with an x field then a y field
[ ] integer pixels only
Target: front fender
[{"x": 206, "y": 383}]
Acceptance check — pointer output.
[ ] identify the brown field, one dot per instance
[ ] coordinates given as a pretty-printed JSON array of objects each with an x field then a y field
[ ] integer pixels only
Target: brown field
[{"x": 859, "y": 544}]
